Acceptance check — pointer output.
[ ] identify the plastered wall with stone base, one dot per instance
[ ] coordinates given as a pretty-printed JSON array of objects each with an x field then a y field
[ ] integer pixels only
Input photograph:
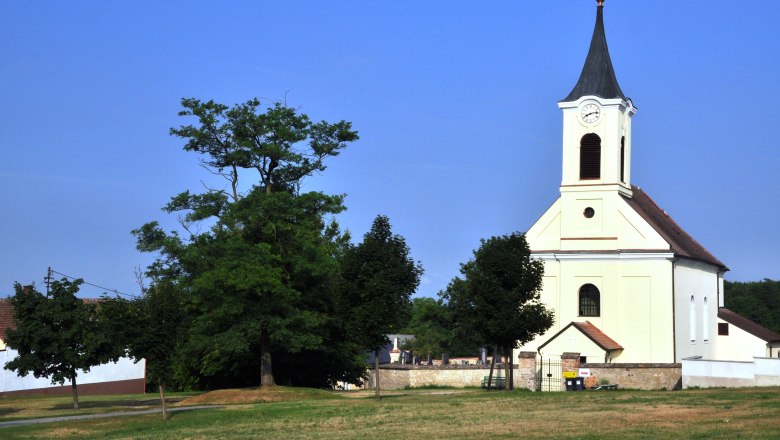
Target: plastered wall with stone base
[
  {"x": 626, "y": 376},
  {"x": 525, "y": 375},
  {"x": 399, "y": 376},
  {"x": 636, "y": 376},
  {"x": 708, "y": 373}
]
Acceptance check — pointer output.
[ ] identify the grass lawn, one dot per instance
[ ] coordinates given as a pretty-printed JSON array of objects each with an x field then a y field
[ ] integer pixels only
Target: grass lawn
[{"x": 302, "y": 413}]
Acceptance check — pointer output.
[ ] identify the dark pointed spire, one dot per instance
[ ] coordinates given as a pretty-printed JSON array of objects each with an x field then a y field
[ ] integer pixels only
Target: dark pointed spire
[{"x": 598, "y": 76}]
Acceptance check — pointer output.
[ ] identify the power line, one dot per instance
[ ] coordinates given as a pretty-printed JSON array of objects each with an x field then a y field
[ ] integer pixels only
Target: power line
[{"x": 51, "y": 271}]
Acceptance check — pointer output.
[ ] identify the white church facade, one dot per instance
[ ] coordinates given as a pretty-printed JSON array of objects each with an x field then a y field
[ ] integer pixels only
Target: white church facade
[{"x": 626, "y": 282}]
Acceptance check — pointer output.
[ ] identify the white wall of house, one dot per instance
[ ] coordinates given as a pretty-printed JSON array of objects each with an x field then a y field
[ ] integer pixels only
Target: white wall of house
[
  {"x": 740, "y": 345},
  {"x": 124, "y": 369},
  {"x": 696, "y": 290}
]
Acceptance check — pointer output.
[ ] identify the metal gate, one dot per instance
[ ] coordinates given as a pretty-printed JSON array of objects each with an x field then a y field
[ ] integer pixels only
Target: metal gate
[{"x": 549, "y": 377}]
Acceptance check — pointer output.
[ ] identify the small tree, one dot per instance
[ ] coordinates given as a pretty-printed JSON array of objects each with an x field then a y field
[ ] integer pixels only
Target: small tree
[
  {"x": 378, "y": 278},
  {"x": 428, "y": 322},
  {"x": 57, "y": 335},
  {"x": 153, "y": 328},
  {"x": 498, "y": 298}
]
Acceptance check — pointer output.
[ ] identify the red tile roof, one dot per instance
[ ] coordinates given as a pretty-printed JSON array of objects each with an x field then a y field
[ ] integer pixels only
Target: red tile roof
[
  {"x": 597, "y": 336},
  {"x": 681, "y": 243},
  {"x": 6, "y": 317},
  {"x": 747, "y": 325}
]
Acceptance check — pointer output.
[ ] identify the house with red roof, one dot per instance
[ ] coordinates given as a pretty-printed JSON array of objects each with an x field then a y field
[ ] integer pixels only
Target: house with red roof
[{"x": 123, "y": 377}]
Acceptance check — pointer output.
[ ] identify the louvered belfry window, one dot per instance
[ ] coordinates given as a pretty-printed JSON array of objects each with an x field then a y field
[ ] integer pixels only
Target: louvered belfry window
[
  {"x": 590, "y": 300},
  {"x": 590, "y": 157}
]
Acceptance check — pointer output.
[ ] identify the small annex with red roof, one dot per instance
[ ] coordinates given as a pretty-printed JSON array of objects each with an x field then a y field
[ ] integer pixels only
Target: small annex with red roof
[{"x": 587, "y": 337}]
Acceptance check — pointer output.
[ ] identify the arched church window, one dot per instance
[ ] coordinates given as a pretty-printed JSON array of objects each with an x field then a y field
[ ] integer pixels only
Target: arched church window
[
  {"x": 705, "y": 321},
  {"x": 590, "y": 157},
  {"x": 692, "y": 319},
  {"x": 590, "y": 300}
]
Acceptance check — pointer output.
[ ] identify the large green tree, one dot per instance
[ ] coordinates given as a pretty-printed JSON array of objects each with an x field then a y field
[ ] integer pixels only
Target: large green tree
[
  {"x": 758, "y": 301},
  {"x": 57, "y": 334},
  {"x": 498, "y": 297},
  {"x": 378, "y": 278},
  {"x": 251, "y": 276}
]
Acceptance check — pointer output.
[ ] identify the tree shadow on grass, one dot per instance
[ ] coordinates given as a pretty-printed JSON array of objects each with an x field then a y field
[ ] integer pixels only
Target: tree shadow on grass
[
  {"x": 388, "y": 397},
  {"x": 119, "y": 405},
  {"x": 4, "y": 412}
]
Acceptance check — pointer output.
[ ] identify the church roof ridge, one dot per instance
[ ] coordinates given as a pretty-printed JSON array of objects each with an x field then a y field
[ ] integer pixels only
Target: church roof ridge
[
  {"x": 680, "y": 242},
  {"x": 598, "y": 76}
]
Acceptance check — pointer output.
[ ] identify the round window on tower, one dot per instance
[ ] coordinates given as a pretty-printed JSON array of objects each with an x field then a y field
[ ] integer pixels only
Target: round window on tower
[{"x": 589, "y": 212}]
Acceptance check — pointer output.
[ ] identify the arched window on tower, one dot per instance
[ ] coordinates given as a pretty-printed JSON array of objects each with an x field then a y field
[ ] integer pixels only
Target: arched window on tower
[
  {"x": 590, "y": 157},
  {"x": 590, "y": 300},
  {"x": 623, "y": 159}
]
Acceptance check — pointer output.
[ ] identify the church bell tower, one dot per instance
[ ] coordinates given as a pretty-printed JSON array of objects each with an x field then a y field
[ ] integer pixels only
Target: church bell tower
[{"x": 597, "y": 125}]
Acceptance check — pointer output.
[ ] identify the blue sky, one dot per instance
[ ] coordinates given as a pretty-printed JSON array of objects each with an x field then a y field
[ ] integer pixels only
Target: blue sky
[{"x": 455, "y": 103}]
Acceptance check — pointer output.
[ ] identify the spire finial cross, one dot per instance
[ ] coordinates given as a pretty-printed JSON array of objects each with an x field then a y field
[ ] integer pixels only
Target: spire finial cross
[{"x": 601, "y": 2}]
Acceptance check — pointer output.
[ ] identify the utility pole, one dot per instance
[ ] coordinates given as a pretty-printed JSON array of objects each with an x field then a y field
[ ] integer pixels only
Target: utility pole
[{"x": 47, "y": 281}]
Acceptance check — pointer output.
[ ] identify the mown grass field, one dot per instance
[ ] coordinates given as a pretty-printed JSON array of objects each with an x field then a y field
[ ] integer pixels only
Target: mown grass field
[{"x": 453, "y": 414}]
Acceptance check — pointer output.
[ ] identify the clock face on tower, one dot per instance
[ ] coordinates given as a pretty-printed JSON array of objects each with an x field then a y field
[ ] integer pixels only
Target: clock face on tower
[{"x": 590, "y": 113}]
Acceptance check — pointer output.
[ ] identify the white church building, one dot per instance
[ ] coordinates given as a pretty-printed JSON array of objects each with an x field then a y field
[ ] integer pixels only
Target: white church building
[{"x": 626, "y": 282}]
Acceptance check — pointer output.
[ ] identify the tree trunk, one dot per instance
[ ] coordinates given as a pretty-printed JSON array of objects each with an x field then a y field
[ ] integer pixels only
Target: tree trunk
[
  {"x": 163, "y": 406},
  {"x": 511, "y": 369},
  {"x": 75, "y": 392},
  {"x": 376, "y": 374},
  {"x": 507, "y": 371},
  {"x": 266, "y": 367},
  {"x": 492, "y": 365}
]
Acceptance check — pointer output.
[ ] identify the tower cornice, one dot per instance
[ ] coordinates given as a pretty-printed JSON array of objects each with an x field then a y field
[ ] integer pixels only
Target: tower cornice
[{"x": 623, "y": 103}]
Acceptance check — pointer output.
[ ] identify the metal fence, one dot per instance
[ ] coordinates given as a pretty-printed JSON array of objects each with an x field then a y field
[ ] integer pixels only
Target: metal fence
[{"x": 549, "y": 376}]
